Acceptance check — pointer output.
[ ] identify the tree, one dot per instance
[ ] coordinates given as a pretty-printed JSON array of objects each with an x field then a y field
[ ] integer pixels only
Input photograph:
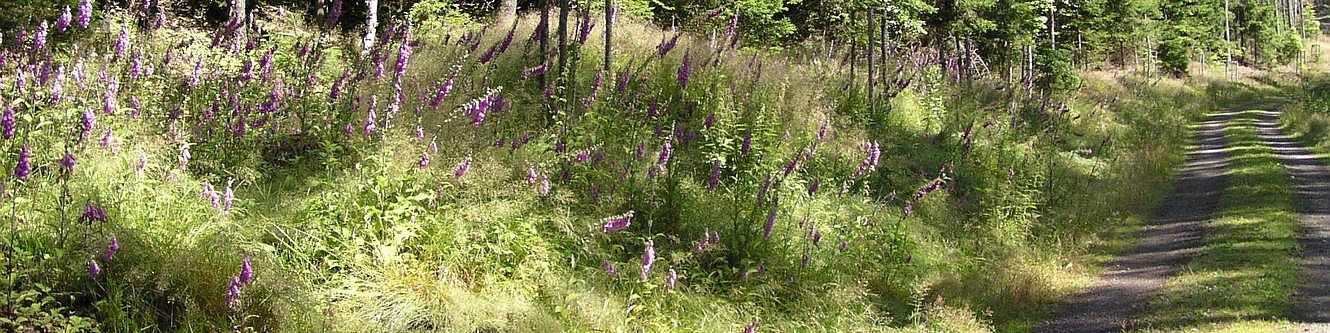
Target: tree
[
  {"x": 371, "y": 25},
  {"x": 507, "y": 12}
]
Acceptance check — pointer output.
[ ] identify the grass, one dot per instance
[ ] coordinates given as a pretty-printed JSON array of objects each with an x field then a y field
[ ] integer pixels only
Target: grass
[
  {"x": 347, "y": 233},
  {"x": 1243, "y": 278}
]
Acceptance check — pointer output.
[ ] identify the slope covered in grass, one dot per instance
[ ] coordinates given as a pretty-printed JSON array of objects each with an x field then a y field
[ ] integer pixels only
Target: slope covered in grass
[{"x": 434, "y": 184}]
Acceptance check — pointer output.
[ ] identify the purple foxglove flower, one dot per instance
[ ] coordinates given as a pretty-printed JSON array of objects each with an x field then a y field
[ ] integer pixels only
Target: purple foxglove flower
[
  {"x": 908, "y": 210},
  {"x": 844, "y": 246},
  {"x": 804, "y": 261},
  {"x": 7, "y": 123},
  {"x": 68, "y": 162},
  {"x": 462, "y": 168},
  {"x": 93, "y": 269},
  {"x": 39, "y": 39},
  {"x": 233, "y": 292},
  {"x": 665, "y": 151},
  {"x": 424, "y": 161},
  {"x": 112, "y": 248},
  {"x": 371, "y": 118},
  {"x": 624, "y": 77},
  {"x": 184, "y": 157},
  {"x": 246, "y": 272},
  {"x": 142, "y": 163},
  {"x": 507, "y": 40},
  {"x": 822, "y": 132},
  {"x": 771, "y": 224},
  {"x": 665, "y": 46},
  {"x": 335, "y": 13},
  {"x": 24, "y": 167},
  {"x": 62, "y": 23},
  {"x": 734, "y": 25},
  {"x": 616, "y": 223},
  {"x": 122, "y": 43},
  {"x": 715, "y": 176},
  {"x": 609, "y": 268},
  {"x": 685, "y": 71},
  {"x": 585, "y": 30},
  {"x": 161, "y": 19},
  {"x": 648, "y": 258},
  {"x": 536, "y": 71},
  {"x": 89, "y": 122},
  {"x": 92, "y": 213},
  {"x": 544, "y": 185},
  {"x": 752, "y": 328},
  {"x": 403, "y": 57},
  {"x": 85, "y": 13},
  {"x": 812, "y": 187},
  {"x": 817, "y": 237},
  {"x": 531, "y": 176},
  {"x": 228, "y": 198},
  {"x": 673, "y": 278},
  {"x": 928, "y": 189}
]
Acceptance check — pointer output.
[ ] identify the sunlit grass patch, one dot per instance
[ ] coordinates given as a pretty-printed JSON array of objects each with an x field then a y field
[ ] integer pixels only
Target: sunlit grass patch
[{"x": 1244, "y": 278}]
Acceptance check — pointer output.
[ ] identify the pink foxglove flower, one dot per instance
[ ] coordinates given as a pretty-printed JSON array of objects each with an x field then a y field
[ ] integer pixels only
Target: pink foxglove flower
[
  {"x": 246, "y": 272},
  {"x": 93, "y": 269},
  {"x": 648, "y": 259},
  {"x": 616, "y": 223},
  {"x": 673, "y": 278},
  {"x": 85, "y": 13},
  {"x": 112, "y": 248},
  {"x": 24, "y": 167},
  {"x": 62, "y": 23},
  {"x": 462, "y": 168}
]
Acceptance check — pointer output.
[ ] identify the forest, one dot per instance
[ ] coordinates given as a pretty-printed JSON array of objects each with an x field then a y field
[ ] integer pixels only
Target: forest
[{"x": 664, "y": 166}]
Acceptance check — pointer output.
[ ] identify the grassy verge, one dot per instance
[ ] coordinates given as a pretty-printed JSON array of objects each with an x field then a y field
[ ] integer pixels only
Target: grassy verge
[{"x": 1243, "y": 278}]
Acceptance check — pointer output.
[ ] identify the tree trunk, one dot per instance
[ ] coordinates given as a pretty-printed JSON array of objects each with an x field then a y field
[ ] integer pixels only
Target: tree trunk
[
  {"x": 544, "y": 39},
  {"x": 563, "y": 35},
  {"x": 872, "y": 76},
  {"x": 609, "y": 34},
  {"x": 371, "y": 25},
  {"x": 507, "y": 13}
]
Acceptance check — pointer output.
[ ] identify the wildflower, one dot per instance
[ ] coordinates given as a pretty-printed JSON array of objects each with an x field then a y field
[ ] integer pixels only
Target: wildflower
[
  {"x": 685, "y": 71},
  {"x": 424, "y": 161},
  {"x": 536, "y": 71},
  {"x": 7, "y": 123},
  {"x": 112, "y": 248},
  {"x": 747, "y": 145},
  {"x": 734, "y": 25},
  {"x": 812, "y": 187},
  {"x": 822, "y": 132},
  {"x": 89, "y": 122},
  {"x": 715, "y": 237},
  {"x": 531, "y": 176},
  {"x": 771, "y": 224},
  {"x": 616, "y": 223},
  {"x": 609, "y": 268},
  {"x": 844, "y": 245},
  {"x": 92, "y": 213},
  {"x": 184, "y": 157},
  {"x": 665, "y": 151},
  {"x": 870, "y": 161},
  {"x": 246, "y": 272},
  {"x": 665, "y": 47},
  {"x": 371, "y": 118},
  {"x": 93, "y": 269},
  {"x": 403, "y": 56},
  {"x": 233, "y": 292},
  {"x": 674, "y": 277},
  {"x": 228, "y": 198},
  {"x": 804, "y": 261},
  {"x": 142, "y": 163},
  {"x": 62, "y": 22},
  {"x": 335, "y": 13},
  {"x": 39, "y": 38},
  {"x": 928, "y": 189},
  {"x": 715, "y": 176},
  {"x": 624, "y": 77},
  {"x": 444, "y": 89},
  {"x": 909, "y": 209},
  {"x": 544, "y": 185},
  {"x": 752, "y": 328},
  {"x": 211, "y": 193},
  {"x": 462, "y": 168},
  {"x": 122, "y": 43},
  {"x": 85, "y": 13},
  {"x": 68, "y": 162},
  {"x": 161, "y": 19},
  {"x": 24, "y": 167},
  {"x": 648, "y": 258},
  {"x": 817, "y": 237}
]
